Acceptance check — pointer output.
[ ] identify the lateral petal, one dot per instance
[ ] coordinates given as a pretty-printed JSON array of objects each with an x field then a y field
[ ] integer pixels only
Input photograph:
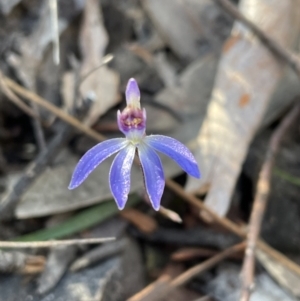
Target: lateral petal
[
  {"x": 119, "y": 175},
  {"x": 153, "y": 174},
  {"x": 176, "y": 151},
  {"x": 92, "y": 158}
]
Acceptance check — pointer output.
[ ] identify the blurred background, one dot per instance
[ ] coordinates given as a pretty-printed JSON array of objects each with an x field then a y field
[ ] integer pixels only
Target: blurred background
[{"x": 220, "y": 76}]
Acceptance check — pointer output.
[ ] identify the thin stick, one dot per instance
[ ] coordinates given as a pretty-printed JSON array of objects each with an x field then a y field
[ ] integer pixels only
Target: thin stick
[
  {"x": 204, "y": 298},
  {"x": 15, "y": 99},
  {"x": 159, "y": 289},
  {"x": 171, "y": 215},
  {"x": 80, "y": 80},
  {"x": 55, "y": 30},
  {"x": 98, "y": 253},
  {"x": 282, "y": 53},
  {"x": 52, "y": 243},
  {"x": 105, "y": 60},
  {"x": 226, "y": 223},
  {"x": 223, "y": 221},
  {"x": 31, "y": 96},
  {"x": 207, "y": 264},
  {"x": 231, "y": 226},
  {"x": 260, "y": 201},
  {"x": 38, "y": 130}
]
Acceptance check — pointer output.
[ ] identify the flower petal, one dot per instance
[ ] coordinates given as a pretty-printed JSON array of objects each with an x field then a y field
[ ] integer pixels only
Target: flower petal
[
  {"x": 133, "y": 94},
  {"x": 175, "y": 150},
  {"x": 153, "y": 174},
  {"x": 119, "y": 175},
  {"x": 92, "y": 158}
]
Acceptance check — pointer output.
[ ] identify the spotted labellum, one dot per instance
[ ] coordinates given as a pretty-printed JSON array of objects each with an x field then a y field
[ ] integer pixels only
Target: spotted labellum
[{"x": 132, "y": 123}]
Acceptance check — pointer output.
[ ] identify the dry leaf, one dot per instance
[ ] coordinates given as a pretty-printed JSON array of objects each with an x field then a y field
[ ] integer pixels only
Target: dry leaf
[
  {"x": 226, "y": 286},
  {"x": 285, "y": 93},
  {"x": 143, "y": 222},
  {"x": 32, "y": 47},
  {"x": 196, "y": 27},
  {"x": 101, "y": 86},
  {"x": 247, "y": 76},
  {"x": 181, "y": 35},
  {"x": 279, "y": 272},
  {"x": 67, "y": 91},
  {"x": 191, "y": 95}
]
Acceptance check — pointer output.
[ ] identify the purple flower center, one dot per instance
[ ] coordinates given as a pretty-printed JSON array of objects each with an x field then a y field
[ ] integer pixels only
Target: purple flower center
[
  {"x": 132, "y": 118},
  {"x": 132, "y": 121}
]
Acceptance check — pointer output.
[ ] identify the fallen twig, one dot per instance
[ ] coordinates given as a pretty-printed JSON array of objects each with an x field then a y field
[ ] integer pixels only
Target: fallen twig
[
  {"x": 281, "y": 52},
  {"x": 187, "y": 254},
  {"x": 231, "y": 226},
  {"x": 260, "y": 201},
  {"x": 15, "y": 99},
  {"x": 38, "y": 130},
  {"x": 55, "y": 30},
  {"x": 105, "y": 60},
  {"x": 196, "y": 236},
  {"x": 171, "y": 215},
  {"x": 226, "y": 223},
  {"x": 204, "y": 298},
  {"x": 151, "y": 293},
  {"x": 31, "y": 96},
  {"x": 200, "y": 268},
  {"x": 52, "y": 243},
  {"x": 98, "y": 253}
]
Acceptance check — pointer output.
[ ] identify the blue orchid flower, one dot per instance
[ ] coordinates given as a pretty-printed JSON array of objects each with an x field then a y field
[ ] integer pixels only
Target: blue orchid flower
[{"x": 132, "y": 123}]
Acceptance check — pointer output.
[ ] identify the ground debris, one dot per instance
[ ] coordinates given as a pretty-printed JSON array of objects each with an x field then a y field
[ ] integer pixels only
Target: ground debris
[
  {"x": 213, "y": 74},
  {"x": 57, "y": 264},
  {"x": 238, "y": 101},
  {"x": 101, "y": 86},
  {"x": 17, "y": 262},
  {"x": 226, "y": 286}
]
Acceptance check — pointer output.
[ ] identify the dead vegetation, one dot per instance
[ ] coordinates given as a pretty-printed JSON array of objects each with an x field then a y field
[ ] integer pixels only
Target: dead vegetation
[{"x": 220, "y": 76}]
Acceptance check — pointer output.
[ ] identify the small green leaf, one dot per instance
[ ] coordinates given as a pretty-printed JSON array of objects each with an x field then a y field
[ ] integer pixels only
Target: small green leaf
[
  {"x": 79, "y": 222},
  {"x": 286, "y": 176}
]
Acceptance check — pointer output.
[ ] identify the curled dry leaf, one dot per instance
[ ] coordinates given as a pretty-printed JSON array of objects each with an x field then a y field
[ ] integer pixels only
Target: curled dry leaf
[{"x": 247, "y": 76}]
